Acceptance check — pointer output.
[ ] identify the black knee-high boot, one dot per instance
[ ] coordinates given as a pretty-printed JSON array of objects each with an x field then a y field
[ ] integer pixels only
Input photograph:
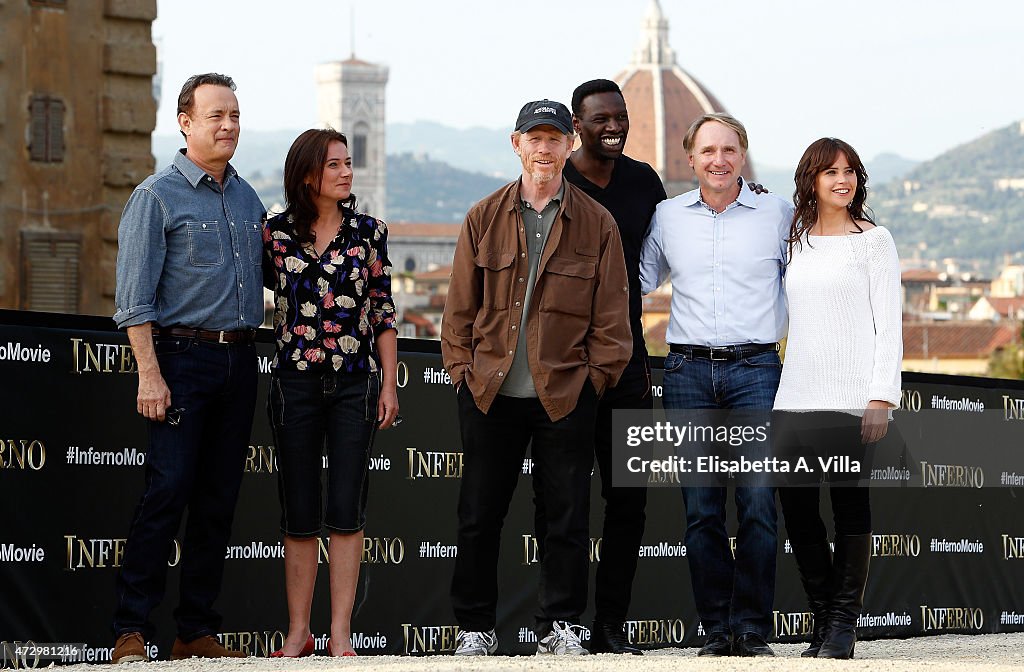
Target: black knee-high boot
[
  {"x": 853, "y": 553},
  {"x": 818, "y": 578}
]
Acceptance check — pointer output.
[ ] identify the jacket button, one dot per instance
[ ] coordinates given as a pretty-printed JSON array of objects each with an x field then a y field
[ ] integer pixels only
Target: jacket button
[{"x": 500, "y": 374}]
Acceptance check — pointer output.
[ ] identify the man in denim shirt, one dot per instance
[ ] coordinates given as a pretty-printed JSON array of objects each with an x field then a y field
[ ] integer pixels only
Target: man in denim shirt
[{"x": 189, "y": 294}]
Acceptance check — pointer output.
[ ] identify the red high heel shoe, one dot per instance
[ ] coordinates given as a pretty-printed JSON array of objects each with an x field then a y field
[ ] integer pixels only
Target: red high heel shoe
[
  {"x": 331, "y": 653},
  {"x": 307, "y": 650}
]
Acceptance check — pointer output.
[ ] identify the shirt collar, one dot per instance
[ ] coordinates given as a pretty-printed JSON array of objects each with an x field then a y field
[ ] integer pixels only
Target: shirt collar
[
  {"x": 746, "y": 196},
  {"x": 193, "y": 173},
  {"x": 557, "y": 198}
]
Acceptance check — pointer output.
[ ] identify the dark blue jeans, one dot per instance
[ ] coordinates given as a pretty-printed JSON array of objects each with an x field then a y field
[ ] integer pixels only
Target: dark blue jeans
[
  {"x": 732, "y": 594},
  {"x": 311, "y": 410},
  {"x": 195, "y": 465}
]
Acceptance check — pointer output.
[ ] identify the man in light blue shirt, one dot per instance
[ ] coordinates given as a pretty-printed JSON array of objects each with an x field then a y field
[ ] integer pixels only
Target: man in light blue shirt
[
  {"x": 190, "y": 295},
  {"x": 723, "y": 248}
]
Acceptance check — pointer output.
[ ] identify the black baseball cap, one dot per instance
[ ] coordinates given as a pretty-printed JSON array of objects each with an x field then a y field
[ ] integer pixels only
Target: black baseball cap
[{"x": 541, "y": 112}]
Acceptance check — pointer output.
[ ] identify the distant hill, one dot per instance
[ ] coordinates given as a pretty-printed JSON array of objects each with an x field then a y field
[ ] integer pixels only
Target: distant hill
[
  {"x": 967, "y": 203},
  {"x": 479, "y": 150},
  {"x": 420, "y": 188},
  {"x": 882, "y": 169}
]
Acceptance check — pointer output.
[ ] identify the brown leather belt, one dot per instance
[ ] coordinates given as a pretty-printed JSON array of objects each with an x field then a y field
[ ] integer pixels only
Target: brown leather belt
[{"x": 239, "y": 336}]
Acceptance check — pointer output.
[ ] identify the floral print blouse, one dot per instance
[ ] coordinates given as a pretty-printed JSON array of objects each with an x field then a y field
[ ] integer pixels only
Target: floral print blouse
[{"x": 329, "y": 308}]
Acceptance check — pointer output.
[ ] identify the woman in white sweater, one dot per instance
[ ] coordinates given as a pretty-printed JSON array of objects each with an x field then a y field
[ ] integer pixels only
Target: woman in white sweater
[{"x": 843, "y": 359}]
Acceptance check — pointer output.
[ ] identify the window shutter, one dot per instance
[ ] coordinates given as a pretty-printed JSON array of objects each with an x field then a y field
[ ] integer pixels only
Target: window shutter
[
  {"x": 37, "y": 129},
  {"x": 49, "y": 271},
  {"x": 55, "y": 131},
  {"x": 46, "y": 129}
]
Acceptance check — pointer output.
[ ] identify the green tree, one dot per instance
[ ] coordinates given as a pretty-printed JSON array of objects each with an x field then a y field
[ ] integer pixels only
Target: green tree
[{"x": 1008, "y": 361}]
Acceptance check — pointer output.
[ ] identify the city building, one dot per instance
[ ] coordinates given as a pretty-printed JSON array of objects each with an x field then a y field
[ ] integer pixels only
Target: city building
[
  {"x": 663, "y": 100},
  {"x": 350, "y": 98},
  {"x": 76, "y": 113},
  {"x": 957, "y": 348}
]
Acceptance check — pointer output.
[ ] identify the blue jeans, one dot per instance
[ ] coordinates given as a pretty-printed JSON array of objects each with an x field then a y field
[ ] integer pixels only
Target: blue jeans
[
  {"x": 732, "y": 594},
  {"x": 196, "y": 464},
  {"x": 308, "y": 410}
]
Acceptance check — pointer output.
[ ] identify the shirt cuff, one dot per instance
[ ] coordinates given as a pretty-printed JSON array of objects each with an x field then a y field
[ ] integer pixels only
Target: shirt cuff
[{"x": 134, "y": 316}]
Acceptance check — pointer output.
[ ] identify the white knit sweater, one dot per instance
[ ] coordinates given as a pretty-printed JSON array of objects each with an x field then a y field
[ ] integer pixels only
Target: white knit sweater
[{"x": 845, "y": 345}]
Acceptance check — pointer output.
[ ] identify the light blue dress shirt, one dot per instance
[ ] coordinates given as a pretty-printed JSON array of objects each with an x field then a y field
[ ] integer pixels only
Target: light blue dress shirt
[
  {"x": 189, "y": 252},
  {"x": 726, "y": 268}
]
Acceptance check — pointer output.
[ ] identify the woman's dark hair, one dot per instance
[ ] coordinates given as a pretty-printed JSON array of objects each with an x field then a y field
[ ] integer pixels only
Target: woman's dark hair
[
  {"x": 820, "y": 156},
  {"x": 306, "y": 160}
]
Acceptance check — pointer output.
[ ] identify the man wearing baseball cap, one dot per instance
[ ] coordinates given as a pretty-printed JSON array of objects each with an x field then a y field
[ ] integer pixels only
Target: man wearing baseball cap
[{"x": 533, "y": 333}]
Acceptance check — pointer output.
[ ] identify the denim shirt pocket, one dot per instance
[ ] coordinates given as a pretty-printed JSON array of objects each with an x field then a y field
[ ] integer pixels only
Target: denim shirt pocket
[
  {"x": 205, "y": 247},
  {"x": 254, "y": 235}
]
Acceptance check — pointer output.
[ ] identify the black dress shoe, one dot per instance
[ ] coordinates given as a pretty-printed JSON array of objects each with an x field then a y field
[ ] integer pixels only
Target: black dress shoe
[
  {"x": 751, "y": 644},
  {"x": 610, "y": 638},
  {"x": 718, "y": 644}
]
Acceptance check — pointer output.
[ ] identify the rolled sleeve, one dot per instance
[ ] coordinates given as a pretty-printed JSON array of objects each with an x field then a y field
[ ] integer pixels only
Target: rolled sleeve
[
  {"x": 653, "y": 265},
  {"x": 383, "y": 315},
  {"x": 141, "y": 250}
]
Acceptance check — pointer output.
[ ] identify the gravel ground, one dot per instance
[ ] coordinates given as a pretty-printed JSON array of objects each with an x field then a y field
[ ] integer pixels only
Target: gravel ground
[{"x": 995, "y": 653}]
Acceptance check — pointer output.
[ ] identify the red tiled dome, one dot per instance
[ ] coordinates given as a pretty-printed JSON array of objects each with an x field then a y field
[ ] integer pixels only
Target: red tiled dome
[{"x": 663, "y": 100}]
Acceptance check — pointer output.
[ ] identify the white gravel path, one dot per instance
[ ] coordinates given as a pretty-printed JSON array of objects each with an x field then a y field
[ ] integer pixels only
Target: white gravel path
[{"x": 992, "y": 653}]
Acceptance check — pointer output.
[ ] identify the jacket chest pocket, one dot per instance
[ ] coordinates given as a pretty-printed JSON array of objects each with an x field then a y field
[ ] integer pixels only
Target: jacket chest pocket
[
  {"x": 568, "y": 286},
  {"x": 498, "y": 281},
  {"x": 205, "y": 247}
]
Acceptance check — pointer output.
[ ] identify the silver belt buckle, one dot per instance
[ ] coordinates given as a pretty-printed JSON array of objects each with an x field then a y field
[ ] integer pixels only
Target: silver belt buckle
[
  {"x": 220, "y": 337},
  {"x": 723, "y": 358}
]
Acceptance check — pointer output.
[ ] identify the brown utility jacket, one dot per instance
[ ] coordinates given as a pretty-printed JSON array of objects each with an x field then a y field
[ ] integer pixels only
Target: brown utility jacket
[{"x": 578, "y": 320}]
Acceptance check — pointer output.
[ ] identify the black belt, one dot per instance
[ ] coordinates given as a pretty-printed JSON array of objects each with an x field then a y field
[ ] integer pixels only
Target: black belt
[
  {"x": 238, "y": 336},
  {"x": 723, "y": 353}
]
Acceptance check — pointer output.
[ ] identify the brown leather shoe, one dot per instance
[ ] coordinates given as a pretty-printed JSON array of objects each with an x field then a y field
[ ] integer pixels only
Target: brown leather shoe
[
  {"x": 204, "y": 647},
  {"x": 130, "y": 648}
]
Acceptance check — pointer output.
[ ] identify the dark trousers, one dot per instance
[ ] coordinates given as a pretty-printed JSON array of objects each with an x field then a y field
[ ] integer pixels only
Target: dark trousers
[
  {"x": 624, "y": 517},
  {"x": 197, "y": 465},
  {"x": 311, "y": 412},
  {"x": 732, "y": 594},
  {"x": 824, "y": 434},
  {"x": 494, "y": 445}
]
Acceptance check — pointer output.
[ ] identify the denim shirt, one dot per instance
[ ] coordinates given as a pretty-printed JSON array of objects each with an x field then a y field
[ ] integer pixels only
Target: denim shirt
[{"x": 190, "y": 253}]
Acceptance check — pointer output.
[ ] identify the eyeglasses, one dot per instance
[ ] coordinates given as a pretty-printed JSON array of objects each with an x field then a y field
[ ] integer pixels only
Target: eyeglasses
[{"x": 173, "y": 416}]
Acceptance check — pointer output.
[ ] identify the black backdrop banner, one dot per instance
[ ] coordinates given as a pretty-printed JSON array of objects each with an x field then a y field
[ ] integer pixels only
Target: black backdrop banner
[{"x": 948, "y": 558}]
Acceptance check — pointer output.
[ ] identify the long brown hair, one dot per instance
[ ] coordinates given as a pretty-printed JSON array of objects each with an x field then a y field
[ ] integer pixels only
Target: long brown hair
[
  {"x": 820, "y": 156},
  {"x": 306, "y": 160}
]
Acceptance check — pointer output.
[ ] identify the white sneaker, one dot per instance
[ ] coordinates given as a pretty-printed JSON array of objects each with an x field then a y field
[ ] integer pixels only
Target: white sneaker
[
  {"x": 563, "y": 640},
  {"x": 472, "y": 643}
]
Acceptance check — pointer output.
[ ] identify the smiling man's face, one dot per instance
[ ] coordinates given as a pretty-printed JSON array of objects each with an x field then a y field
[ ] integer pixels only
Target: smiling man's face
[
  {"x": 603, "y": 125},
  {"x": 543, "y": 151},
  {"x": 717, "y": 158}
]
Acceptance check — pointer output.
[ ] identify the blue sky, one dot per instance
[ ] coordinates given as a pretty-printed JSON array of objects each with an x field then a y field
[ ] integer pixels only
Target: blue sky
[{"x": 915, "y": 78}]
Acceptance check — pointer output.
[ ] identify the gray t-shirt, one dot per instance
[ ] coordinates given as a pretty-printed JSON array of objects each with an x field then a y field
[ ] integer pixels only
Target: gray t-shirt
[{"x": 519, "y": 381}]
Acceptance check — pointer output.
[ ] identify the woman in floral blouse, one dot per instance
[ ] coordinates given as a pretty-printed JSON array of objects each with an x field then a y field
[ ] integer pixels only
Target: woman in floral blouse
[{"x": 334, "y": 373}]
